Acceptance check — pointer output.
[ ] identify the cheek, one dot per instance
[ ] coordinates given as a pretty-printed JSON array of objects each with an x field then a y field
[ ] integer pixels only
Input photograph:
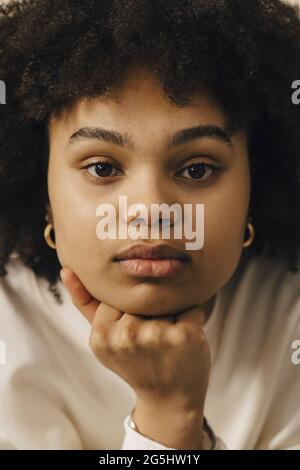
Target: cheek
[
  {"x": 223, "y": 247},
  {"x": 225, "y": 224},
  {"x": 74, "y": 214},
  {"x": 226, "y": 213}
]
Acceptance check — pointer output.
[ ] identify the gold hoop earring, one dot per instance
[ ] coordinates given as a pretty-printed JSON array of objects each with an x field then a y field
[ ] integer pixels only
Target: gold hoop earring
[
  {"x": 47, "y": 236},
  {"x": 251, "y": 235}
]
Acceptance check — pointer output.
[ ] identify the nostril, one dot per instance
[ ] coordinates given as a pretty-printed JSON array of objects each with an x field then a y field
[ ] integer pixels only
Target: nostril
[{"x": 138, "y": 221}]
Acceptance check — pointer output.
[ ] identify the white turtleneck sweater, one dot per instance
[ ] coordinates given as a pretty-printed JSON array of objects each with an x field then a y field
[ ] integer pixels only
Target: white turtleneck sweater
[{"x": 56, "y": 395}]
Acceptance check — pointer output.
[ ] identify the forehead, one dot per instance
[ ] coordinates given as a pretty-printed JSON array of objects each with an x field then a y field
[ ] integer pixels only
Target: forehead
[{"x": 140, "y": 103}]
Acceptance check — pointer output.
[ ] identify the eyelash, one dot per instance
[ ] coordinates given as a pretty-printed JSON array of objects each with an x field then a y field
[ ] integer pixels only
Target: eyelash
[{"x": 213, "y": 168}]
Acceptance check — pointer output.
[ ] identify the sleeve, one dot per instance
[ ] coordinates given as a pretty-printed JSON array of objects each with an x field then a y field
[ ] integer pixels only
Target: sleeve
[
  {"x": 220, "y": 445},
  {"x": 133, "y": 440},
  {"x": 5, "y": 443},
  {"x": 281, "y": 430}
]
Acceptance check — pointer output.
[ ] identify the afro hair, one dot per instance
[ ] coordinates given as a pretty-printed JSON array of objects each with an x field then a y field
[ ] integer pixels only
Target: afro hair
[{"x": 54, "y": 52}]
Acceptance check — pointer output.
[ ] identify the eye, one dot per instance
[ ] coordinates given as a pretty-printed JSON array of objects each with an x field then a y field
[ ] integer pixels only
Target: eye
[
  {"x": 200, "y": 171},
  {"x": 101, "y": 169}
]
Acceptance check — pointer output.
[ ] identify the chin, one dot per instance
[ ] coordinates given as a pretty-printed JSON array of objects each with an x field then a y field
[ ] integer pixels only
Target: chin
[
  {"x": 154, "y": 305},
  {"x": 143, "y": 298}
]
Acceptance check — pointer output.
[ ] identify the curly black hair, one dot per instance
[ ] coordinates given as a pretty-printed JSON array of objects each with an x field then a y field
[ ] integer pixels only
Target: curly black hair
[{"x": 53, "y": 52}]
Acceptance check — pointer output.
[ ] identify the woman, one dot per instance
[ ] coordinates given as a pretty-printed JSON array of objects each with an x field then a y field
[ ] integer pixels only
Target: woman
[{"x": 185, "y": 102}]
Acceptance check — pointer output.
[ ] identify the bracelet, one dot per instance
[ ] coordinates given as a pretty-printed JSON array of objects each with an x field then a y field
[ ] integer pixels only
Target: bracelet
[
  {"x": 206, "y": 428},
  {"x": 132, "y": 423}
]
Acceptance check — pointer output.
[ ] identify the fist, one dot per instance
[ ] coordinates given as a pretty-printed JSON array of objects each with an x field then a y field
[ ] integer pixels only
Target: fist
[{"x": 161, "y": 357}]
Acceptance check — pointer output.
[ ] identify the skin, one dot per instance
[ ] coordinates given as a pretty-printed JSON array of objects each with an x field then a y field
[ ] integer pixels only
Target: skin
[
  {"x": 141, "y": 110},
  {"x": 149, "y": 355}
]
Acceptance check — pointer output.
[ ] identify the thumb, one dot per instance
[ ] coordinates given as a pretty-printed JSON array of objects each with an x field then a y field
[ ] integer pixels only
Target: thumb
[{"x": 81, "y": 297}]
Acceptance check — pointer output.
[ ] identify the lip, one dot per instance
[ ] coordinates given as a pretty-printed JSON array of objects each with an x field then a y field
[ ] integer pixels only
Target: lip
[
  {"x": 155, "y": 252},
  {"x": 155, "y": 268}
]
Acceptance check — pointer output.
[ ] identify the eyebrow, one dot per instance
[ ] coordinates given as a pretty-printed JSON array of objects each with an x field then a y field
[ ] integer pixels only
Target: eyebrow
[{"x": 184, "y": 136}]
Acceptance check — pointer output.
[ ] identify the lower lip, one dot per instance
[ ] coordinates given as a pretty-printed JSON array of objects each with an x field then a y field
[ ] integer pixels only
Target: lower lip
[{"x": 141, "y": 267}]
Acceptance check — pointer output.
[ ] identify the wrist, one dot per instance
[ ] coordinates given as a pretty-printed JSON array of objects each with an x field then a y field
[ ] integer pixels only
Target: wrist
[{"x": 171, "y": 425}]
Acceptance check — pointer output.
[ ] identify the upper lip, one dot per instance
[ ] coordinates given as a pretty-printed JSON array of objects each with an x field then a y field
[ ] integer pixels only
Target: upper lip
[{"x": 154, "y": 252}]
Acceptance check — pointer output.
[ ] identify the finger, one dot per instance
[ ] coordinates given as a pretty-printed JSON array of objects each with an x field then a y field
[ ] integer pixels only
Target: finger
[
  {"x": 106, "y": 315},
  {"x": 131, "y": 326},
  {"x": 81, "y": 297},
  {"x": 194, "y": 315},
  {"x": 163, "y": 318},
  {"x": 138, "y": 318}
]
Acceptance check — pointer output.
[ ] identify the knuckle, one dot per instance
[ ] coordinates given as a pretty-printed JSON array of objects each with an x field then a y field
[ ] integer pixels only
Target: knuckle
[
  {"x": 125, "y": 339},
  {"x": 128, "y": 333},
  {"x": 201, "y": 338},
  {"x": 151, "y": 336},
  {"x": 181, "y": 335},
  {"x": 98, "y": 341}
]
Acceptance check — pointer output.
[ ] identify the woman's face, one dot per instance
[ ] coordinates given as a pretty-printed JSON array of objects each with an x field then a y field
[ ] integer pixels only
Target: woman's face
[{"x": 148, "y": 171}]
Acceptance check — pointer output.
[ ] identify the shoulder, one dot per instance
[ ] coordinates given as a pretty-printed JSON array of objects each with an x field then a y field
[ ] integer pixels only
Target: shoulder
[
  {"x": 252, "y": 337},
  {"x": 18, "y": 277},
  {"x": 20, "y": 288},
  {"x": 263, "y": 300},
  {"x": 268, "y": 281},
  {"x": 21, "y": 281},
  {"x": 24, "y": 294},
  {"x": 258, "y": 307}
]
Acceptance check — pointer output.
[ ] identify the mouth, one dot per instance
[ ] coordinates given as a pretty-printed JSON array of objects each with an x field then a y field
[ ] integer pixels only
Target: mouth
[
  {"x": 143, "y": 251},
  {"x": 158, "y": 261},
  {"x": 155, "y": 268}
]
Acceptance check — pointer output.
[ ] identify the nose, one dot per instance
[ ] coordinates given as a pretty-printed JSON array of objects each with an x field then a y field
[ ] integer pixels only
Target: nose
[
  {"x": 151, "y": 202},
  {"x": 151, "y": 219}
]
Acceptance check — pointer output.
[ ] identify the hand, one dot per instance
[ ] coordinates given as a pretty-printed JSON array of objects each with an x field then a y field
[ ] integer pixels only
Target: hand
[{"x": 164, "y": 359}]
